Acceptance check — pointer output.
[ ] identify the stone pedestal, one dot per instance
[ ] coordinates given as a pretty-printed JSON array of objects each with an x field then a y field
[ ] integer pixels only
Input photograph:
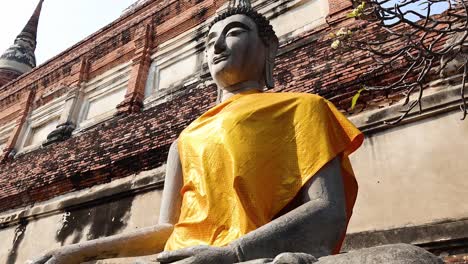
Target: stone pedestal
[{"x": 389, "y": 254}]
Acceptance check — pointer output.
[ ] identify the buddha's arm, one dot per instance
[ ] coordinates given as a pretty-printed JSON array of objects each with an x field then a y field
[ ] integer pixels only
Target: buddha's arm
[
  {"x": 145, "y": 241},
  {"x": 173, "y": 183},
  {"x": 314, "y": 227}
]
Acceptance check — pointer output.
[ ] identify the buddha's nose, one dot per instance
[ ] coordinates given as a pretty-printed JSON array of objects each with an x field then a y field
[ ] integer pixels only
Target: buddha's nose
[{"x": 220, "y": 45}]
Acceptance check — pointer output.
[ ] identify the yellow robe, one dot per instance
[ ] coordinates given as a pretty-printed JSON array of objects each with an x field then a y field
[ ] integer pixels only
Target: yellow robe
[{"x": 245, "y": 159}]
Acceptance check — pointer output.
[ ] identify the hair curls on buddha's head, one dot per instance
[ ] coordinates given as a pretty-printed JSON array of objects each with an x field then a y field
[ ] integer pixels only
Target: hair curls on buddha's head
[{"x": 265, "y": 30}]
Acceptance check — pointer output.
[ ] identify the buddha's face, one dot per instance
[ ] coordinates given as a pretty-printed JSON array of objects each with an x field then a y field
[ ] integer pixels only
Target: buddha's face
[{"x": 235, "y": 52}]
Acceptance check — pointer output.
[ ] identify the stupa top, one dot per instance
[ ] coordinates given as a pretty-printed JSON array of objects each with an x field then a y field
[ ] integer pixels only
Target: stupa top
[{"x": 20, "y": 57}]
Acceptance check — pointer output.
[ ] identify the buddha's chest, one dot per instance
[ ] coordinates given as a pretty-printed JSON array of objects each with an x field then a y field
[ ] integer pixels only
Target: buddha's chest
[{"x": 245, "y": 131}]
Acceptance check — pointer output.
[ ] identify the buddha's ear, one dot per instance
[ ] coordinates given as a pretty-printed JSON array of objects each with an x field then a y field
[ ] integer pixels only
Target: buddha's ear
[
  {"x": 271, "y": 51},
  {"x": 219, "y": 98}
]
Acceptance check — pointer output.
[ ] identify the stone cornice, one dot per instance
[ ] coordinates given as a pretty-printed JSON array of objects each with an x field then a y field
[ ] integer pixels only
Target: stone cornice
[{"x": 431, "y": 236}]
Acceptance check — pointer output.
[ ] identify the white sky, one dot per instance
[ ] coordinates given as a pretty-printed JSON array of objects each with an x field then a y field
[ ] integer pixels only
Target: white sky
[
  {"x": 63, "y": 22},
  {"x": 420, "y": 7}
]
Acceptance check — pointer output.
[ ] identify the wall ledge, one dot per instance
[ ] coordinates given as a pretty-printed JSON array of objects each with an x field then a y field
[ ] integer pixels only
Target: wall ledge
[
  {"x": 440, "y": 97},
  {"x": 438, "y": 237}
]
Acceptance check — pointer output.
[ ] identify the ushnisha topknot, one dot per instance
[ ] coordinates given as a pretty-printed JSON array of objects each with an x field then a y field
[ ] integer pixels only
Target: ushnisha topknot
[{"x": 265, "y": 30}]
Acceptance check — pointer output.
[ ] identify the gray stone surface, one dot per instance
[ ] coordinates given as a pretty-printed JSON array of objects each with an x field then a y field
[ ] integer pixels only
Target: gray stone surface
[{"x": 389, "y": 254}]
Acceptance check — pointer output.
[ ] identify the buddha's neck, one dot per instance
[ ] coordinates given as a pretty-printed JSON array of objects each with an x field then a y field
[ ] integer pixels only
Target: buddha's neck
[{"x": 232, "y": 90}]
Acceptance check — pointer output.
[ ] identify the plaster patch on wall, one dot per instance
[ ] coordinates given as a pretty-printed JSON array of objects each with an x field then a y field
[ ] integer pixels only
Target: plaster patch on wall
[
  {"x": 5, "y": 132},
  {"x": 177, "y": 71},
  {"x": 39, "y": 134},
  {"x": 40, "y": 122},
  {"x": 295, "y": 17},
  {"x": 105, "y": 104},
  {"x": 102, "y": 95}
]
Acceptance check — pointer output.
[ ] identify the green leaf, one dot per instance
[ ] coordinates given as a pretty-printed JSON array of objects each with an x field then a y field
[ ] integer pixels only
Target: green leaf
[
  {"x": 357, "y": 12},
  {"x": 356, "y": 98},
  {"x": 362, "y": 6},
  {"x": 336, "y": 44},
  {"x": 352, "y": 14}
]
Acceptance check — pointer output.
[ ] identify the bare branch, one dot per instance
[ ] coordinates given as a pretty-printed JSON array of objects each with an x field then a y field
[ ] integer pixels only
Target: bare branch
[{"x": 413, "y": 44}]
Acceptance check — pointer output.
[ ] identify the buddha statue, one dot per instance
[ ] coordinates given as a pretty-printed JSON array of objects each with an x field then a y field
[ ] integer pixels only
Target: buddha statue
[{"x": 257, "y": 176}]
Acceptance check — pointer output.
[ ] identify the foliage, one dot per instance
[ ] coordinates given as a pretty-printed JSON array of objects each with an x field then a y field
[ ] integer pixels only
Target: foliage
[{"x": 358, "y": 11}]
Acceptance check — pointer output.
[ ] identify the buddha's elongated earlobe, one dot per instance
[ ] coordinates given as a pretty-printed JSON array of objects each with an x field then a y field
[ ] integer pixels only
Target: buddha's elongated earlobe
[
  {"x": 269, "y": 81},
  {"x": 271, "y": 51},
  {"x": 219, "y": 98}
]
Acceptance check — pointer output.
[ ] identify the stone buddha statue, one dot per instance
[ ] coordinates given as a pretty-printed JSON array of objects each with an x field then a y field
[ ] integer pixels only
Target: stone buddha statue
[{"x": 258, "y": 175}]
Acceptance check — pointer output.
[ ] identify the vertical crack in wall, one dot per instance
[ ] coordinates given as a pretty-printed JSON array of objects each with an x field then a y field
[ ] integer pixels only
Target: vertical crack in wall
[{"x": 19, "y": 236}]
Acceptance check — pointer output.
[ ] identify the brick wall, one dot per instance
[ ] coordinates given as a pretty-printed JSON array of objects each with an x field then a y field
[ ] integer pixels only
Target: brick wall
[
  {"x": 6, "y": 76},
  {"x": 458, "y": 259},
  {"x": 113, "y": 149}
]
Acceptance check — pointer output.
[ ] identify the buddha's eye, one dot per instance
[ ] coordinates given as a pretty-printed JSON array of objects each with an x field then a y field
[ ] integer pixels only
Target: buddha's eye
[{"x": 235, "y": 32}]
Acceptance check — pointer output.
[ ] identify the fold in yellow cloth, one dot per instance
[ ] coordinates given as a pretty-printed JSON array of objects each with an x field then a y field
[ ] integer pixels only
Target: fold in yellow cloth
[{"x": 245, "y": 159}]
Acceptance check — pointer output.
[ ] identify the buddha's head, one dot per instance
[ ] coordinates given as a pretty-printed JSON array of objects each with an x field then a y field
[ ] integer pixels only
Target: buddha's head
[{"x": 241, "y": 46}]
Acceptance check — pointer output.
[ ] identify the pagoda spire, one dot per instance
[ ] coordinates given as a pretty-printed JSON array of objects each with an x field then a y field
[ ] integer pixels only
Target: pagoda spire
[
  {"x": 20, "y": 57},
  {"x": 30, "y": 30}
]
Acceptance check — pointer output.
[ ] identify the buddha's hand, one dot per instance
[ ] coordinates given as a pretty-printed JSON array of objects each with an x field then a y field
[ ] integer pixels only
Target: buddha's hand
[{"x": 199, "y": 255}]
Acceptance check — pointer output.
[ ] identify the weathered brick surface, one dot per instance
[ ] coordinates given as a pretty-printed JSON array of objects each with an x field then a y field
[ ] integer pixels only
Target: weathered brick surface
[
  {"x": 458, "y": 259},
  {"x": 6, "y": 76},
  {"x": 336, "y": 6},
  {"x": 113, "y": 149}
]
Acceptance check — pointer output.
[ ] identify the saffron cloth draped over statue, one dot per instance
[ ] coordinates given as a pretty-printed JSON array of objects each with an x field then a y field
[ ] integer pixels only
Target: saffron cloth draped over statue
[{"x": 245, "y": 159}]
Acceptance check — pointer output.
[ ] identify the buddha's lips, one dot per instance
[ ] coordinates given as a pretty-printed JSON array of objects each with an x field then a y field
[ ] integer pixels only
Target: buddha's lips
[{"x": 218, "y": 59}]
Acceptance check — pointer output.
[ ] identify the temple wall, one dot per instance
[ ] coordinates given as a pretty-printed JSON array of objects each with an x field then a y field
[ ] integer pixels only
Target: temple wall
[{"x": 412, "y": 175}]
